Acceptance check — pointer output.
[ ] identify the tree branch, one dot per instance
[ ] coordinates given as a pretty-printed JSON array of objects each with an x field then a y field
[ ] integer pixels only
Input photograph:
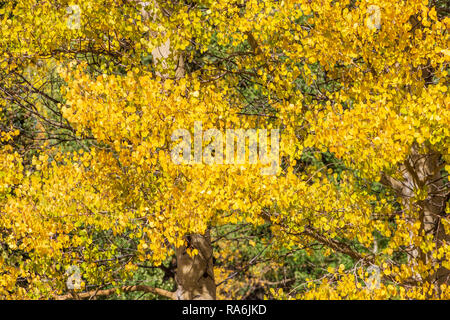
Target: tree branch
[{"x": 108, "y": 292}]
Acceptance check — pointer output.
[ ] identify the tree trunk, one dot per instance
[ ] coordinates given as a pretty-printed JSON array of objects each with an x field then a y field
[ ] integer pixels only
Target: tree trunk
[
  {"x": 420, "y": 172},
  {"x": 194, "y": 275}
]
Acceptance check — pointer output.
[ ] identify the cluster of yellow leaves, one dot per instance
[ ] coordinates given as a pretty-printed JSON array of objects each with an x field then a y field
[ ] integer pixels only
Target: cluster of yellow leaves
[
  {"x": 10, "y": 163},
  {"x": 127, "y": 185},
  {"x": 44, "y": 29},
  {"x": 360, "y": 286}
]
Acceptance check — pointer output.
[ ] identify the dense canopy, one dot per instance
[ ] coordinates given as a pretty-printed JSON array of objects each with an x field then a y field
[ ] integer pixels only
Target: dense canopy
[{"x": 92, "y": 203}]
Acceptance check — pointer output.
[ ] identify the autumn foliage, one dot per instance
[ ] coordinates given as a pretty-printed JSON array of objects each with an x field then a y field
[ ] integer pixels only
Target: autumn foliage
[{"x": 90, "y": 97}]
